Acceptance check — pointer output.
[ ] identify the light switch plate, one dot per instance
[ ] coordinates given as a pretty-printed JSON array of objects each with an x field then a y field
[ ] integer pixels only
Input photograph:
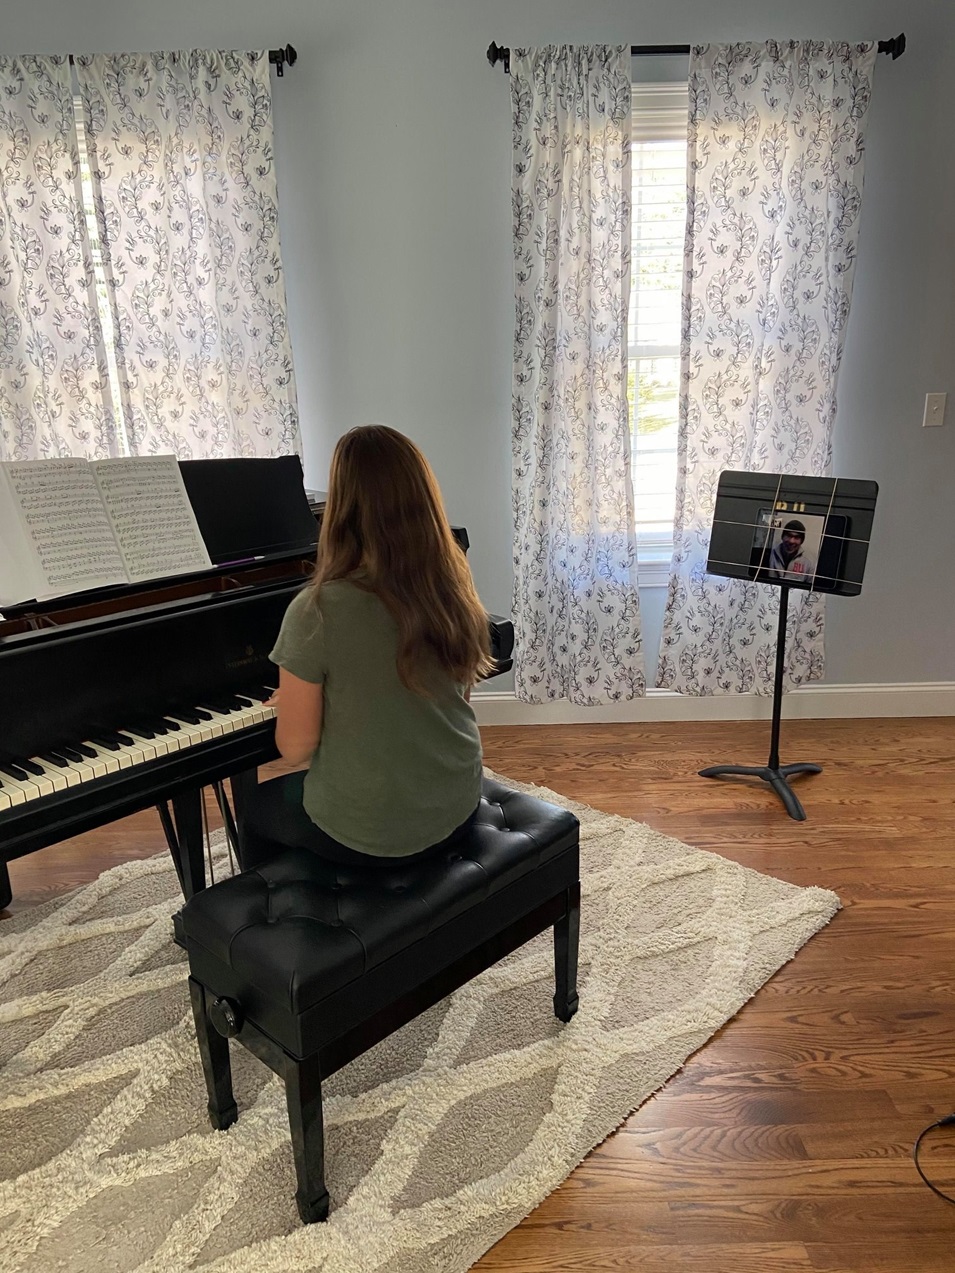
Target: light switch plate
[{"x": 934, "y": 410}]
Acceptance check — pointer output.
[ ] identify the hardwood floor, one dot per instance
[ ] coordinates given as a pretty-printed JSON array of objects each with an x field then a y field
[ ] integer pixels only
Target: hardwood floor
[{"x": 784, "y": 1144}]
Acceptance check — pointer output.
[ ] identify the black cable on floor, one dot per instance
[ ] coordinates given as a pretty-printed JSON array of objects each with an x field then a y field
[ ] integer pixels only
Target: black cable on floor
[{"x": 942, "y": 1122}]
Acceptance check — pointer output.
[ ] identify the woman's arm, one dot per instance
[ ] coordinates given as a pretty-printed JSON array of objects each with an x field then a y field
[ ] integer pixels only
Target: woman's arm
[{"x": 298, "y": 717}]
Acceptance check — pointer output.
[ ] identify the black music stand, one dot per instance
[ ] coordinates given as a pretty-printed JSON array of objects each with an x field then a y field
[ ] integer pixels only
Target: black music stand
[{"x": 810, "y": 533}]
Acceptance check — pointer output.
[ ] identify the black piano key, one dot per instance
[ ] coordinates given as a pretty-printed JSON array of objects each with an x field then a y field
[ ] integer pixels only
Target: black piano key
[
  {"x": 69, "y": 753},
  {"x": 52, "y": 758},
  {"x": 171, "y": 725},
  {"x": 189, "y": 715},
  {"x": 88, "y": 752},
  {"x": 243, "y": 702},
  {"x": 158, "y": 726},
  {"x": 220, "y": 705},
  {"x": 199, "y": 715},
  {"x": 114, "y": 741},
  {"x": 261, "y": 694},
  {"x": 13, "y": 771},
  {"x": 29, "y": 765},
  {"x": 139, "y": 731}
]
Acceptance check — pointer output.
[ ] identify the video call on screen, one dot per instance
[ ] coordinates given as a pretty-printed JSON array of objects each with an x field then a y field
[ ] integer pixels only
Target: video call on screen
[{"x": 807, "y": 532}]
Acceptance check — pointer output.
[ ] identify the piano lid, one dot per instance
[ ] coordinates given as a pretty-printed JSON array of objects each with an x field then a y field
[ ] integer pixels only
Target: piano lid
[{"x": 250, "y": 509}]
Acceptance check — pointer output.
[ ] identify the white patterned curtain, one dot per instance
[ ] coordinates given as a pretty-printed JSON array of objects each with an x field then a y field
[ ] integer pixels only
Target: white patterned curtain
[
  {"x": 54, "y": 384},
  {"x": 576, "y": 605},
  {"x": 180, "y": 148},
  {"x": 775, "y": 163}
]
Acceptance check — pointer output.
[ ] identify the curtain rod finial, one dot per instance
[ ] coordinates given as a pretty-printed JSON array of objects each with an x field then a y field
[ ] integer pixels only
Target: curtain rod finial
[
  {"x": 895, "y": 46},
  {"x": 279, "y": 57},
  {"x": 498, "y": 53}
]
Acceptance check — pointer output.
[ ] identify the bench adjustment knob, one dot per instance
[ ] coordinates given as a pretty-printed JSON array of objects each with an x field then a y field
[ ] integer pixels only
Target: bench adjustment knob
[{"x": 226, "y": 1016}]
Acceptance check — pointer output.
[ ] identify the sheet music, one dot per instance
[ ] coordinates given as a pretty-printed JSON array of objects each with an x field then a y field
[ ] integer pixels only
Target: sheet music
[
  {"x": 65, "y": 527},
  {"x": 17, "y": 579},
  {"x": 154, "y": 523}
]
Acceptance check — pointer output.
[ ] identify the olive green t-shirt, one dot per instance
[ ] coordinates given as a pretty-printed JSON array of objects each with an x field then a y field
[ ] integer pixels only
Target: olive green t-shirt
[{"x": 394, "y": 771}]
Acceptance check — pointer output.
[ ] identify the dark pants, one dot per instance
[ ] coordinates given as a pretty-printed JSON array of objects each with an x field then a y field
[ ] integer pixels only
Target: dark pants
[{"x": 273, "y": 818}]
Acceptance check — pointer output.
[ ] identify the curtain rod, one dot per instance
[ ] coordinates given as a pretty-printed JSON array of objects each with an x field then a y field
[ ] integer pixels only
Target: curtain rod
[
  {"x": 278, "y": 57},
  {"x": 498, "y": 53}
]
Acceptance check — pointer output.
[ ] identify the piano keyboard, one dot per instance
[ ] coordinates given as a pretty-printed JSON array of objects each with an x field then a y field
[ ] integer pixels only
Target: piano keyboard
[{"x": 25, "y": 779}]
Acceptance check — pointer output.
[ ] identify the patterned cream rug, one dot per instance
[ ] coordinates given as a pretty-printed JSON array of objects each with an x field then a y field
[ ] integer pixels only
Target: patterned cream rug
[{"x": 438, "y": 1141}]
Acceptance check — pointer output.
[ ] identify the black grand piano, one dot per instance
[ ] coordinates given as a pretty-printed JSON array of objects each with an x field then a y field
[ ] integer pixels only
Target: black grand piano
[{"x": 130, "y": 697}]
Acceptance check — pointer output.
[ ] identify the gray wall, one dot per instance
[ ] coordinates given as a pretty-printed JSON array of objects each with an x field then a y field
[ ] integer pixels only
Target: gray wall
[{"x": 393, "y": 138}]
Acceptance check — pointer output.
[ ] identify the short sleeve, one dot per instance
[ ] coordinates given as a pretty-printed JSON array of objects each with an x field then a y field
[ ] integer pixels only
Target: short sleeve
[{"x": 300, "y": 647}]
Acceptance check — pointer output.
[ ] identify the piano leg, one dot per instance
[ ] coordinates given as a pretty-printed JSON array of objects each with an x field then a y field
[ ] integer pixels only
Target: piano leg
[
  {"x": 243, "y": 785},
  {"x": 187, "y": 843},
  {"x": 185, "y": 831},
  {"x": 6, "y": 892}
]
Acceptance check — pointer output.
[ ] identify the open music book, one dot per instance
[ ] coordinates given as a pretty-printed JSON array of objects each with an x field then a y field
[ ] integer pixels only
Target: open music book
[{"x": 70, "y": 525}]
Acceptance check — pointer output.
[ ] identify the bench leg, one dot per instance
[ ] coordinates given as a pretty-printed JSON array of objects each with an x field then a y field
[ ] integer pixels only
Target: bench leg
[
  {"x": 303, "y": 1093},
  {"x": 566, "y": 943},
  {"x": 214, "y": 1050}
]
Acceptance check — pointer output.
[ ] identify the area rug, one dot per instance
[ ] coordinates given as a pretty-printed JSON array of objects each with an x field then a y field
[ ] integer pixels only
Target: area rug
[{"x": 439, "y": 1140}]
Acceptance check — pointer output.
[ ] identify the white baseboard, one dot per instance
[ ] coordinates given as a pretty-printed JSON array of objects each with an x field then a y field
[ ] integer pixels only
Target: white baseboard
[{"x": 917, "y": 698}]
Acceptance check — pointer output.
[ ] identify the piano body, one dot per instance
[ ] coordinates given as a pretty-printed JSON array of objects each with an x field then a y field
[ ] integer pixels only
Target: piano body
[{"x": 142, "y": 695}]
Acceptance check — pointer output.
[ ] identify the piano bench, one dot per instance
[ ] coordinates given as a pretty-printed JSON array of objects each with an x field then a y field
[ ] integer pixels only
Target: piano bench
[{"x": 309, "y": 963}]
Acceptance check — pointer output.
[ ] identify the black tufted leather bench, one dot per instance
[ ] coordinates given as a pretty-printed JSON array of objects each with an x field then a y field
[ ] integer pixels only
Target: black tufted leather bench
[{"x": 309, "y": 963}]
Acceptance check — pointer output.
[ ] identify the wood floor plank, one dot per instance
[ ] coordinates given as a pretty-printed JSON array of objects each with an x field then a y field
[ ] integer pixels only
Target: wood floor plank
[
  {"x": 934, "y": 1255},
  {"x": 587, "y": 1255},
  {"x": 784, "y": 1144},
  {"x": 701, "y": 1108}
]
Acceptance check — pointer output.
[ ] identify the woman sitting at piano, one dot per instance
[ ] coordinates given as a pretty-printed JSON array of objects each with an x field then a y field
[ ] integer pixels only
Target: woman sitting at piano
[{"x": 376, "y": 656}]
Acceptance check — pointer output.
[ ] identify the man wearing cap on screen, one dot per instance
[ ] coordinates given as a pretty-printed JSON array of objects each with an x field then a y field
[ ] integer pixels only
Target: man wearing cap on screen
[{"x": 788, "y": 561}]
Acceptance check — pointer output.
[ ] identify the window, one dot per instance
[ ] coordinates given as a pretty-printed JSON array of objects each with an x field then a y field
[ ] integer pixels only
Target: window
[{"x": 659, "y": 225}]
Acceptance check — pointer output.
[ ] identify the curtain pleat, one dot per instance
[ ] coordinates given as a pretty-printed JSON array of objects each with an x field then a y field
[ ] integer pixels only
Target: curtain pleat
[
  {"x": 576, "y": 605},
  {"x": 54, "y": 384}
]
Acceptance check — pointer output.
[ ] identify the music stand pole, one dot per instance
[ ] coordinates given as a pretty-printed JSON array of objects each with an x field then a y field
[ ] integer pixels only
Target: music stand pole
[{"x": 774, "y": 773}]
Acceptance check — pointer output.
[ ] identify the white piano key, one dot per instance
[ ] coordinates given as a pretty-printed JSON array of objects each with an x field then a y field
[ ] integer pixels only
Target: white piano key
[
  {"x": 169, "y": 741},
  {"x": 18, "y": 792},
  {"x": 121, "y": 757},
  {"x": 138, "y": 753},
  {"x": 52, "y": 778},
  {"x": 104, "y": 761},
  {"x": 37, "y": 785},
  {"x": 82, "y": 771},
  {"x": 201, "y": 733},
  {"x": 157, "y": 744},
  {"x": 225, "y": 722},
  {"x": 215, "y": 723},
  {"x": 64, "y": 771}
]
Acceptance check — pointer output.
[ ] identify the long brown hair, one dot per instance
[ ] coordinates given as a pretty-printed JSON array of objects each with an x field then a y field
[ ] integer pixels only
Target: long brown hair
[{"x": 384, "y": 516}]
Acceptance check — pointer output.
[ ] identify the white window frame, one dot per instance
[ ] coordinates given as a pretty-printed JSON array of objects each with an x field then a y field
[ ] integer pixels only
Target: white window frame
[{"x": 659, "y": 113}]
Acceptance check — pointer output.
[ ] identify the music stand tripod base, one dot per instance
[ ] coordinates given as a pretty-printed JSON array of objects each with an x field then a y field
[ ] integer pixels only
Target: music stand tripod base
[
  {"x": 773, "y": 772},
  {"x": 775, "y": 776}
]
